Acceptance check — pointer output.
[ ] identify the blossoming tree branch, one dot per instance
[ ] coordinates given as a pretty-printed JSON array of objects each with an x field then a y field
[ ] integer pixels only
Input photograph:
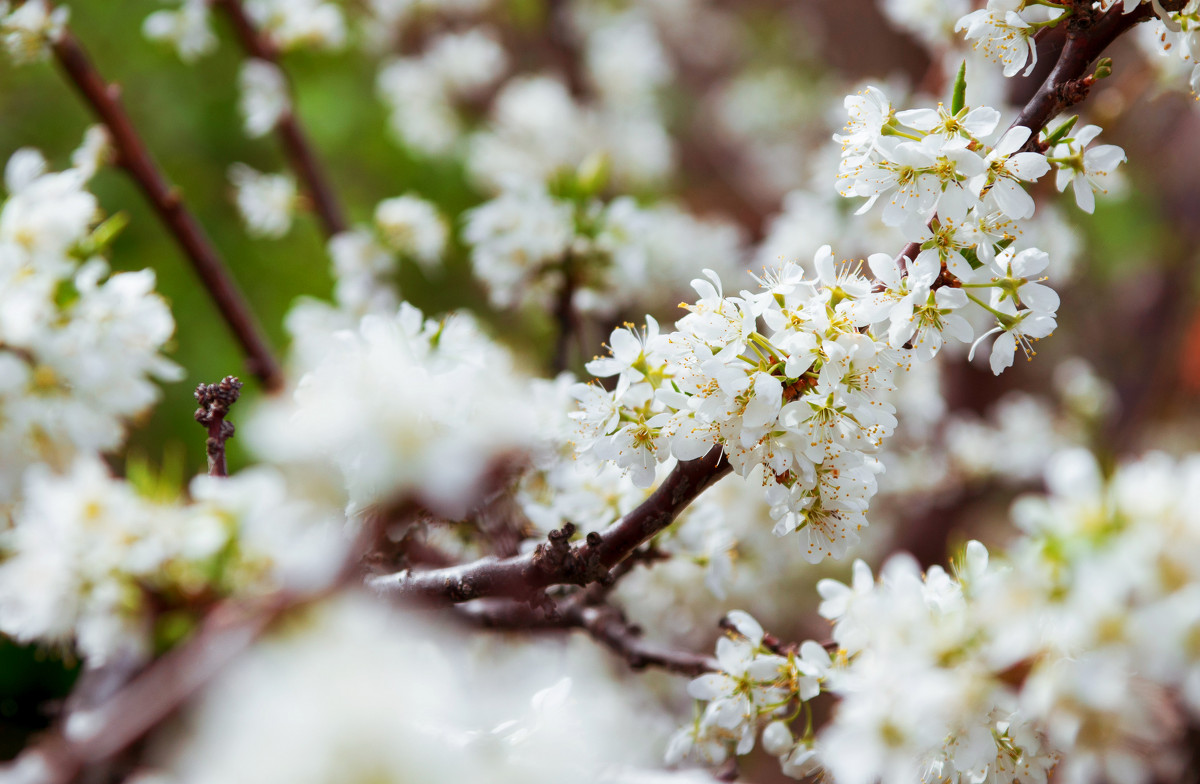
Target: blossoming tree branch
[{"x": 432, "y": 504}]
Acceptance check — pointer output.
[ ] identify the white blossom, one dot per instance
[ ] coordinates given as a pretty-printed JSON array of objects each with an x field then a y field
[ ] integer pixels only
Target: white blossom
[
  {"x": 188, "y": 29},
  {"x": 414, "y": 227},
  {"x": 265, "y": 201},
  {"x": 298, "y": 23},
  {"x": 29, "y": 29},
  {"x": 264, "y": 96}
]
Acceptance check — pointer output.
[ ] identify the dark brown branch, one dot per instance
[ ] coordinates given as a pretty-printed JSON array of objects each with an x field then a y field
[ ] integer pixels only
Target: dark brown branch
[
  {"x": 134, "y": 157},
  {"x": 1068, "y": 83},
  {"x": 565, "y": 316},
  {"x": 558, "y": 563},
  {"x": 215, "y": 400},
  {"x": 296, "y": 146}
]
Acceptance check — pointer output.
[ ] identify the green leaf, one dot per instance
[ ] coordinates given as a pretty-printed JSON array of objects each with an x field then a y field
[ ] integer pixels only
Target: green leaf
[
  {"x": 1061, "y": 131},
  {"x": 102, "y": 236},
  {"x": 959, "y": 100}
]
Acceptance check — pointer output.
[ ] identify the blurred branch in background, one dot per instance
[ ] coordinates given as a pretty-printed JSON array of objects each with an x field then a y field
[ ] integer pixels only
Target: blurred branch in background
[{"x": 133, "y": 156}]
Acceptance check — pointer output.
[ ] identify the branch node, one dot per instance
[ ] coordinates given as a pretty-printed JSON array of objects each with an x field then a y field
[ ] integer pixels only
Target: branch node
[{"x": 215, "y": 401}]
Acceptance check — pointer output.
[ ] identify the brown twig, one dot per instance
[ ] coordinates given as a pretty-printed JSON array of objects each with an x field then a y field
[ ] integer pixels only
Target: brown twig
[
  {"x": 558, "y": 563},
  {"x": 135, "y": 158},
  {"x": 215, "y": 400},
  {"x": 296, "y": 146},
  {"x": 605, "y": 623}
]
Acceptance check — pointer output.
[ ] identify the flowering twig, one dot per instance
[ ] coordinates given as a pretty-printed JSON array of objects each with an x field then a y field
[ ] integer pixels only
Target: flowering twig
[
  {"x": 558, "y": 563},
  {"x": 133, "y": 156},
  {"x": 1067, "y": 83},
  {"x": 296, "y": 146},
  {"x": 215, "y": 400}
]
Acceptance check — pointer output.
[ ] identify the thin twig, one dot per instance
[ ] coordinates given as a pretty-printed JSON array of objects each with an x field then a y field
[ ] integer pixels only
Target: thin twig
[
  {"x": 558, "y": 563},
  {"x": 135, "y": 158},
  {"x": 605, "y": 623},
  {"x": 296, "y": 146},
  {"x": 215, "y": 400}
]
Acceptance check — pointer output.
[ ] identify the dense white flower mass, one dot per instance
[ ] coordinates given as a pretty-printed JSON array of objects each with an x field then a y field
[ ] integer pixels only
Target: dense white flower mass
[
  {"x": 423, "y": 92},
  {"x": 299, "y": 23},
  {"x": 90, "y": 561},
  {"x": 409, "y": 430},
  {"x": 586, "y": 161},
  {"x": 354, "y": 692},
  {"x": 1072, "y": 653},
  {"x": 528, "y": 243},
  {"x": 538, "y": 130},
  {"x": 79, "y": 347}
]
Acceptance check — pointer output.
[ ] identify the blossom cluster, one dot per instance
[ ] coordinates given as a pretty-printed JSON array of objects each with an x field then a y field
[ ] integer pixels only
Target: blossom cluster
[
  {"x": 1073, "y": 653},
  {"x": 286, "y": 25},
  {"x": 413, "y": 432},
  {"x": 79, "y": 347},
  {"x": 28, "y": 30},
  {"x": 756, "y": 686},
  {"x": 416, "y": 703},
  {"x": 1004, "y": 30},
  {"x": 961, "y": 199},
  {"x": 366, "y": 258},
  {"x": 423, "y": 91},
  {"x": 99, "y": 563},
  {"x": 806, "y": 397},
  {"x": 531, "y": 242}
]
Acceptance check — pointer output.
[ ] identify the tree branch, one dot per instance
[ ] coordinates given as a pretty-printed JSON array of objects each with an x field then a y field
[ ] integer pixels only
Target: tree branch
[
  {"x": 296, "y": 146},
  {"x": 133, "y": 156},
  {"x": 1067, "y": 83},
  {"x": 558, "y": 563},
  {"x": 608, "y": 626}
]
